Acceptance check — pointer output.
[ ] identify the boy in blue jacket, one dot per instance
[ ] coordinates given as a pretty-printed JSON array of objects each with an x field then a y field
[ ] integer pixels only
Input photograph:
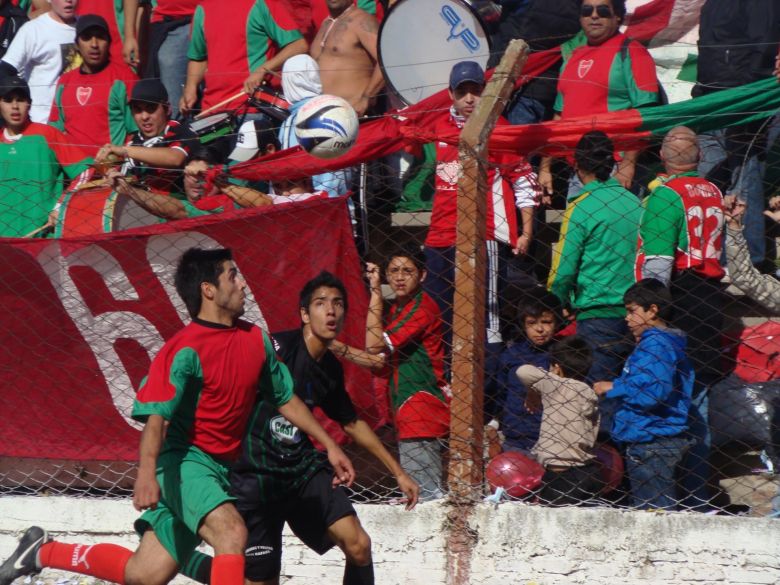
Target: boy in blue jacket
[{"x": 653, "y": 397}]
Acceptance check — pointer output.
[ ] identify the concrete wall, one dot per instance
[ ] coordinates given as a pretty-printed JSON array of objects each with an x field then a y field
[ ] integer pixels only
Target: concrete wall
[{"x": 515, "y": 544}]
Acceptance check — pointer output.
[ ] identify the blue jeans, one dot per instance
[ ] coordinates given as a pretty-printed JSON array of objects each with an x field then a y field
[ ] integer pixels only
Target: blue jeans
[
  {"x": 609, "y": 341},
  {"x": 746, "y": 182},
  {"x": 524, "y": 110},
  {"x": 172, "y": 60},
  {"x": 695, "y": 468},
  {"x": 651, "y": 468}
]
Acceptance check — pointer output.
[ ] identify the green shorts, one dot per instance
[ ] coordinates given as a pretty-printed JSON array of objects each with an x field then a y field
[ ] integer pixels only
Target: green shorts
[{"x": 192, "y": 484}]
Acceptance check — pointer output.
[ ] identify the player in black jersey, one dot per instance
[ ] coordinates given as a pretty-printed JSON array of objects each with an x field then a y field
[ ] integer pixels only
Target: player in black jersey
[{"x": 282, "y": 478}]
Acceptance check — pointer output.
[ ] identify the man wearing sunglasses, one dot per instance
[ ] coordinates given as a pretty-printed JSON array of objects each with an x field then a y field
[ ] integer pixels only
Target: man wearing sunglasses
[{"x": 603, "y": 71}]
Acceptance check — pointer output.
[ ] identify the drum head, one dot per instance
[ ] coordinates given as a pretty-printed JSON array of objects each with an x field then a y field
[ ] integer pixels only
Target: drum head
[{"x": 420, "y": 41}]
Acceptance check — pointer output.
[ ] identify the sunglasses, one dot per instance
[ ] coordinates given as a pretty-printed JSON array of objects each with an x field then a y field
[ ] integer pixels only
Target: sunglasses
[{"x": 602, "y": 11}]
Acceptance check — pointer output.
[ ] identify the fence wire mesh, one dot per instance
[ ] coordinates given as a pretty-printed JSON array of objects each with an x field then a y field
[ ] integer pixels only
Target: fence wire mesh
[{"x": 574, "y": 406}]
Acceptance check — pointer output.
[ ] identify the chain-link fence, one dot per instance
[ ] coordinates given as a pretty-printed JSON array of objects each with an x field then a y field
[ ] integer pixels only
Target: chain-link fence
[{"x": 516, "y": 350}]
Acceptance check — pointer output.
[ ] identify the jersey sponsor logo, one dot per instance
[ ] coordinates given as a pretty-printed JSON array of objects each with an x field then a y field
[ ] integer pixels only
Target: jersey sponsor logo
[
  {"x": 284, "y": 431},
  {"x": 83, "y": 94},
  {"x": 449, "y": 172},
  {"x": 584, "y": 67},
  {"x": 258, "y": 551}
]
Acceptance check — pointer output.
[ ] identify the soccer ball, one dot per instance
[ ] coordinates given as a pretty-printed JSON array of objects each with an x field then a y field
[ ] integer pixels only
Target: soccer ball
[{"x": 326, "y": 126}]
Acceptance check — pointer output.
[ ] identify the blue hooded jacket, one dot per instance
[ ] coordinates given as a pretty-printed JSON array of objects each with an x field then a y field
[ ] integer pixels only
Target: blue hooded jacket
[{"x": 653, "y": 394}]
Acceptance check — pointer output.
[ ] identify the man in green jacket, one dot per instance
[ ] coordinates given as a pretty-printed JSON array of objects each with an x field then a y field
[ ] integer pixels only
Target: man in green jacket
[{"x": 593, "y": 261}]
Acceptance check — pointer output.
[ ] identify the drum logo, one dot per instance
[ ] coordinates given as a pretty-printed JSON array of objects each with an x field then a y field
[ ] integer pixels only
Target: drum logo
[{"x": 459, "y": 29}]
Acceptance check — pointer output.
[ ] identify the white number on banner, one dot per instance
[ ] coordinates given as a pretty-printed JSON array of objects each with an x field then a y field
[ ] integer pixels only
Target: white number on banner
[{"x": 102, "y": 331}]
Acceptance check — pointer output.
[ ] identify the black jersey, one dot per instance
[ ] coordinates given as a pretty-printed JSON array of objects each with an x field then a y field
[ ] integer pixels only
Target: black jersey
[{"x": 277, "y": 457}]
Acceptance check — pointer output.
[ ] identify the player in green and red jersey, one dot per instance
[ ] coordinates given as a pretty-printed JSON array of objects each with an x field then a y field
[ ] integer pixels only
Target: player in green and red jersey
[
  {"x": 605, "y": 72},
  {"x": 681, "y": 244},
  {"x": 410, "y": 329},
  {"x": 35, "y": 159},
  {"x": 90, "y": 103},
  {"x": 195, "y": 404},
  {"x": 231, "y": 49},
  {"x": 281, "y": 478}
]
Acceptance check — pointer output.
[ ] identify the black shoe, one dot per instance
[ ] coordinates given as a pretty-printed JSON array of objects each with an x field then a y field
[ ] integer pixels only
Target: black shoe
[{"x": 23, "y": 561}]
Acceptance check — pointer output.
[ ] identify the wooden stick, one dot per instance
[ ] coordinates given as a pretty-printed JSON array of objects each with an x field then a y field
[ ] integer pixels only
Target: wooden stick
[
  {"x": 36, "y": 230},
  {"x": 220, "y": 104}
]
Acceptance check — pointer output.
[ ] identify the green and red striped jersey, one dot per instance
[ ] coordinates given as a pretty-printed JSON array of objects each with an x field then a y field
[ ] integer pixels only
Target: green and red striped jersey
[
  {"x": 92, "y": 109},
  {"x": 235, "y": 42},
  {"x": 616, "y": 75},
  {"x": 205, "y": 381},
  {"x": 683, "y": 219},
  {"x": 33, "y": 166},
  {"x": 418, "y": 390}
]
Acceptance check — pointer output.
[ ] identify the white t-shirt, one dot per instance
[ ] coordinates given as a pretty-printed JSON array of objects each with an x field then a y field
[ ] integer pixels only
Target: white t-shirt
[{"x": 40, "y": 52}]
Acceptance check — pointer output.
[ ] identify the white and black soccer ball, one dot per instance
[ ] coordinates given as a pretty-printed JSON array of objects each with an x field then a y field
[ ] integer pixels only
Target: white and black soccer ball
[{"x": 326, "y": 126}]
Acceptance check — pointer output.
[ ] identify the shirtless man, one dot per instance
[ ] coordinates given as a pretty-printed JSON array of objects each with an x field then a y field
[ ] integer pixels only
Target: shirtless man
[{"x": 345, "y": 49}]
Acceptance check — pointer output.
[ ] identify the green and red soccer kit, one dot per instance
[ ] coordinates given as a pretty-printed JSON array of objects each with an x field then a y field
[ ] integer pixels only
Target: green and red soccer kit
[
  {"x": 204, "y": 382},
  {"x": 114, "y": 13},
  {"x": 617, "y": 75},
  {"x": 683, "y": 219},
  {"x": 236, "y": 41},
  {"x": 33, "y": 165},
  {"x": 92, "y": 109},
  {"x": 418, "y": 390}
]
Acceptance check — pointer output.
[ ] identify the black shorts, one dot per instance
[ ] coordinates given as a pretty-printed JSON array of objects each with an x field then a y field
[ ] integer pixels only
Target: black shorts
[{"x": 309, "y": 512}]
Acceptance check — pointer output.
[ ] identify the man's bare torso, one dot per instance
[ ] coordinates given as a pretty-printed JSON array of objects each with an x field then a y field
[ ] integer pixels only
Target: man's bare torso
[{"x": 345, "y": 64}]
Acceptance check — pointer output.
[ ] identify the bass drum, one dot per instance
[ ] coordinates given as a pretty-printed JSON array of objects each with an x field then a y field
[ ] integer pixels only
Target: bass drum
[
  {"x": 99, "y": 210},
  {"x": 420, "y": 41}
]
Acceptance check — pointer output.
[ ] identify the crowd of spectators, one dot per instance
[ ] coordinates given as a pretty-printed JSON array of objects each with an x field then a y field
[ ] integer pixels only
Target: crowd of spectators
[{"x": 103, "y": 93}]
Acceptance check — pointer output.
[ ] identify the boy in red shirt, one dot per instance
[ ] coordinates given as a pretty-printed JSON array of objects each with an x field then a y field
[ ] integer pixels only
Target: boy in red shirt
[{"x": 409, "y": 329}]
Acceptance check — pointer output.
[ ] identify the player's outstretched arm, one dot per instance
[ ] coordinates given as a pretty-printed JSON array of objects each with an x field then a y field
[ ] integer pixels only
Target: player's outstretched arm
[
  {"x": 299, "y": 414},
  {"x": 361, "y": 433},
  {"x": 146, "y": 493}
]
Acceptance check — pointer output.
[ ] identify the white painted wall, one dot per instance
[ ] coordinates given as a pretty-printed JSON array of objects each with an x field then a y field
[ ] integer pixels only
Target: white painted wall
[{"x": 516, "y": 544}]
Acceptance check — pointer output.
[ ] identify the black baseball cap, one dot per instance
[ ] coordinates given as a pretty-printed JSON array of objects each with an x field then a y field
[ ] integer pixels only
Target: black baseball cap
[
  {"x": 149, "y": 90},
  {"x": 92, "y": 21},
  {"x": 14, "y": 83}
]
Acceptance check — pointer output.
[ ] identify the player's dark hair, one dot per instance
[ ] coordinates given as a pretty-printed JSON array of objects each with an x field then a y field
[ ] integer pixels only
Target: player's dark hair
[
  {"x": 650, "y": 291},
  {"x": 573, "y": 355},
  {"x": 411, "y": 251},
  {"x": 537, "y": 301},
  {"x": 325, "y": 279},
  {"x": 197, "y": 266},
  {"x": 618, "y": 7},
  {"x": 595, "y": 154}
]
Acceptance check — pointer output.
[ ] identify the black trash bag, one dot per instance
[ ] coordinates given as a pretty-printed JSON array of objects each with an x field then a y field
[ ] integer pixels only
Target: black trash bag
[{"x": 745, "y": 412}]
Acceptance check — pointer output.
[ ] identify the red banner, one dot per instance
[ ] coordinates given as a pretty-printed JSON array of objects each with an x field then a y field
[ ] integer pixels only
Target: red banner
[{"x": 82, "y": 318}]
